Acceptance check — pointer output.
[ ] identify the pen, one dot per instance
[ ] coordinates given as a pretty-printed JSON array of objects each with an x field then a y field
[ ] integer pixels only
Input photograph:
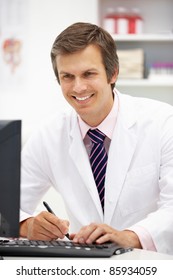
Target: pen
[{"x": 51, "y": 211}]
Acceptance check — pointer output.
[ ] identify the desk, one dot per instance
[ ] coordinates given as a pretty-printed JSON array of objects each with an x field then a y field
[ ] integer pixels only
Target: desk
[{"x": 136, "y": 254}]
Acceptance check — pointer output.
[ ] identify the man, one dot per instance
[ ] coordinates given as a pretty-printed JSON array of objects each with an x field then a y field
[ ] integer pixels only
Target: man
[{"x": 134, "y": 206}]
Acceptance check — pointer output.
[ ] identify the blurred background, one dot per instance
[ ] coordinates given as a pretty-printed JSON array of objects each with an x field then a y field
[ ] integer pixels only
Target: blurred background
[
  {"x": 28, "y": 89},
  {"x": 143, "y": 31}
]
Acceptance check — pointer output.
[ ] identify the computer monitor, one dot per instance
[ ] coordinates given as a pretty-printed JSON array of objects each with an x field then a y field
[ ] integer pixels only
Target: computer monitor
[{"x": 10, "y": 150}]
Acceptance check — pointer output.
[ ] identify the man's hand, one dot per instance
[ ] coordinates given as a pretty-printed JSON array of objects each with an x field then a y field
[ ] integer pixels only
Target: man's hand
[
  {"x": 44, "y": 226},
  {"x": 101, "y": 233}
]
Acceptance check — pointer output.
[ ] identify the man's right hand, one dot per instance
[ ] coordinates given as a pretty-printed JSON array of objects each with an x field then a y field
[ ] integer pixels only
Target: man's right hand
[{"x": 44, "y": 226}]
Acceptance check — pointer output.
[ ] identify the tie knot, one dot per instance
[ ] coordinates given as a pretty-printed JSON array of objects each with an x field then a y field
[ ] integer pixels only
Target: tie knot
[{"x": 96, "y": 136}]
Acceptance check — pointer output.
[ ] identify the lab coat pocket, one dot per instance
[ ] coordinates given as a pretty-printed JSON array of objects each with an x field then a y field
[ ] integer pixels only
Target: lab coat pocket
[{"x": 140, "y": 190}]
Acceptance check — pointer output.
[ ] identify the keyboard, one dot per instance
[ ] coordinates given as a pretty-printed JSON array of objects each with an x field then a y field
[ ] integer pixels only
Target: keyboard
[{"x": 58, "y": 248}]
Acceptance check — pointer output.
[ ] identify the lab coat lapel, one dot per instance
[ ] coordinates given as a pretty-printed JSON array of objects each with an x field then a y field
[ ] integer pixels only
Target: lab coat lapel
[
  {"x": 120, "y": 155},
  {"x": 80, "y": 157}
]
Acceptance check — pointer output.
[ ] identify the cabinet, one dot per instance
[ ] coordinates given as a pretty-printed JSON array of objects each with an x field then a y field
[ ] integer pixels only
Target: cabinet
[{"x": 156, "y": 40}]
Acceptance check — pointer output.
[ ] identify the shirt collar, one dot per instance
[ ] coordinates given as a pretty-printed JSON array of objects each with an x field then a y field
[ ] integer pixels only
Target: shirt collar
[{"x": 107, "y": 125}]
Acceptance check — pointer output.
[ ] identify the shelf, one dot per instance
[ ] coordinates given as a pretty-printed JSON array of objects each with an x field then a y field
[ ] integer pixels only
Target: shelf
[
  {"x": 144, "y": 37},
  {"x": 156, "y": 41},
  {"x": 144, "y": 83}
]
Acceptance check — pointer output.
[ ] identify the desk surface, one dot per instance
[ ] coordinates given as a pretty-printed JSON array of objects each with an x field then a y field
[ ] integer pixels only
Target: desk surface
[{"x": 136, "y": 254}]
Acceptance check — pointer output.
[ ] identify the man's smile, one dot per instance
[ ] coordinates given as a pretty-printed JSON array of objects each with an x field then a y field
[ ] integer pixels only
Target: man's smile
[{"x": 82, "y": 98}]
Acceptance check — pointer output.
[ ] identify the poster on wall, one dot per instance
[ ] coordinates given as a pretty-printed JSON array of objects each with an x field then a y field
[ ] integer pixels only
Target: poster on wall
[{"x": 13, "y": 38}]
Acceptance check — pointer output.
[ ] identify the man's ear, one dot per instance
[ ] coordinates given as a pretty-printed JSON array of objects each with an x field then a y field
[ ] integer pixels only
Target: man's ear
[{"x": 114, "y": 77}]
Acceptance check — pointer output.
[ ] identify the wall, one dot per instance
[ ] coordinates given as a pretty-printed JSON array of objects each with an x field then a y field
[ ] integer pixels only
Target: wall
[{"x": 40, "y": 96}]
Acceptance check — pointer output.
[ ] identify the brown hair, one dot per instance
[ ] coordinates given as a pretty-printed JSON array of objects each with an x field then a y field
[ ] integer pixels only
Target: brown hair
[{"x": 78, "y": 36}]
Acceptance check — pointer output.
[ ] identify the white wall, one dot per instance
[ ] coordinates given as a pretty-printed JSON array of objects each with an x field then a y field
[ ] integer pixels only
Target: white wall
[{"x": 40, "y": 95}]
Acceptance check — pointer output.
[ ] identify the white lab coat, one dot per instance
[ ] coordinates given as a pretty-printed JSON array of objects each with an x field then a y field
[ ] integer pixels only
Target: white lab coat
[{"x": 139, "y": 179}]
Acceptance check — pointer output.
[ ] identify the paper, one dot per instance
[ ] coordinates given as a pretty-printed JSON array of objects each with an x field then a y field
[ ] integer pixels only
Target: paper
[{"x": 131, "y": 63}]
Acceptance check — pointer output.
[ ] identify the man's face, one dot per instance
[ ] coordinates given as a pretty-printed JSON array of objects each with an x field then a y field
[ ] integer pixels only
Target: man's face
[{"x": 84, "y": 84}]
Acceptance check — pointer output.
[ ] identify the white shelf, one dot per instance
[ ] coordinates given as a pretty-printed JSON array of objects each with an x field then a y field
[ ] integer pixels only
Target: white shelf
[
  {"x": 145, "y": 82},
  {"x": 156, "y": 43},
  {"x": 144, "y": 37}
]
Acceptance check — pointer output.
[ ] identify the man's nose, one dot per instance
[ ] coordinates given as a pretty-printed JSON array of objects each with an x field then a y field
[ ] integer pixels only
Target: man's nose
[{"x": 79, "y": 85}]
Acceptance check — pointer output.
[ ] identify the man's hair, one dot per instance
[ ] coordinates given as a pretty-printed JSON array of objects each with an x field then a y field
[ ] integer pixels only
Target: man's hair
[{"x": 77, "y": 37}]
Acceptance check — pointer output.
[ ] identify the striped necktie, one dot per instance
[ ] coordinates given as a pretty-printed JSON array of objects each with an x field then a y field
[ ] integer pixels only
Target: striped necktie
[{"x": 98, "y": 161}]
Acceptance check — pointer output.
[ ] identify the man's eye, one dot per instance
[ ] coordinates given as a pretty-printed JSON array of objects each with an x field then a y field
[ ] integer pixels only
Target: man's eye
[
  {"x": 67, "y": 77},
  {"x": 88, "y": 74}
]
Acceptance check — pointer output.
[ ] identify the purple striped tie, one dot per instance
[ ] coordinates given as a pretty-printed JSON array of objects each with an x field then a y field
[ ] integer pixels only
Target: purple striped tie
[{"x": 98, "y": 160}]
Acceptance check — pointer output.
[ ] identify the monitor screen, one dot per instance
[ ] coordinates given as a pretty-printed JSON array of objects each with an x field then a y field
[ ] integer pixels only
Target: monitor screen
[{"x": 10, "y": 150}]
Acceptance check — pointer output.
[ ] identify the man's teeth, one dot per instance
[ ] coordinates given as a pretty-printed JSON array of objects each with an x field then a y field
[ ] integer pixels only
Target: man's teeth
[{"x": 82, "y": 98}]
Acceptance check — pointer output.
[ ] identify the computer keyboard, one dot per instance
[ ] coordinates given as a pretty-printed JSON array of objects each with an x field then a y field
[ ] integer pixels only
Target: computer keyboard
[{"x": 58, "y": 248}]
